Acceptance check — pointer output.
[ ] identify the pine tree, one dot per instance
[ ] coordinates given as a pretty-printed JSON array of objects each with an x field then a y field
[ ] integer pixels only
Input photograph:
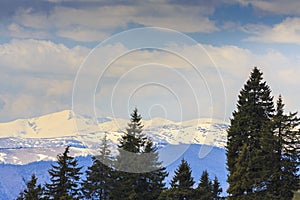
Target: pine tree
[
  {"x": 151, "y": 182},
  {"x": 204, "y": 188},
  {"x": 182, "y": 182},
  {"x": 131, "y": 145},
  {"x": 285, "y": 178},
  {"x": 183, "y": 176},
  {"x": 98, "y": 183},
  {"x": 250, "y": 140},
  {"x": 216, "y": 189},
  {"x": 32, "y": 191},
  {"x": 127, "y": 162},
  {"x": 139, "y": 174},
  {"x": 65, "y": 178}
]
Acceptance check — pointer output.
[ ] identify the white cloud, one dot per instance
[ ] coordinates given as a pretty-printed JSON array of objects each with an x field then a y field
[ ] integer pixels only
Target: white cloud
[
  {"x": 17, "y": 31},
  {"x": 234, "y": 63},
  {"x": 41, "y": 56},
  {"x": 83, "y": 34},
  {"x": 180, "y": 18},
  {"x": 28, "y": 105},
  {"x": 237, "y": 62},
  {"x": 288, "y": 31},
  {"x": 97, "y": 23},
  {"x": 37, "y": 77}
]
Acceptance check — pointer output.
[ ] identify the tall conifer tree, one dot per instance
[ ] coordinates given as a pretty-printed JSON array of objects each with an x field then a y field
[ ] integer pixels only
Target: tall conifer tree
[
  {"x": 151, "y": 182},
  {"x": 99, "y": 176},
  {"x": 204, "y": 188},
  {"x": 33, "y": 190},
  {"x": 285, "y": 178},
  {"x": 181, "y": 184},
  {"x": 216, "y": 189},
  {"x": 65, "y": 178},
  {"x": 138, "y": 172},
  {"x": 250, "y": 140},
  {"x": 127, "y": 161},
  {"x": 183, "y": 176}
]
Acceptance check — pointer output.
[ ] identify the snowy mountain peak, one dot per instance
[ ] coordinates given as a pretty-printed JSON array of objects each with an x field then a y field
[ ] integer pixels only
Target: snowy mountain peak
[
  {"x": 84, "y": 133},
  {"x": 47, "y": 126}
]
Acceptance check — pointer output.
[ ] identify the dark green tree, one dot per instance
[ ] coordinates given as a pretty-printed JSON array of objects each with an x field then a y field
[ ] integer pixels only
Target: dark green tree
[
  {"x": 32, "y": 191},
  {"x": 182, "y": 183},
  {"x": 151, "y": 182},
  {"x": 250, "y": 140},
  {"x": 285, "y": 178},
  {"x": 99, "y": 176},
  {"x": 131, "y": 145},
  {"x": 216, "y": 189},
  {"x": 183, "y": 176},
  {"x": 204, "y": 188},
  {"x": 127, "y": 162},
  {"x": 65, "y": 178},
  {"x": 138, "y": 172}
]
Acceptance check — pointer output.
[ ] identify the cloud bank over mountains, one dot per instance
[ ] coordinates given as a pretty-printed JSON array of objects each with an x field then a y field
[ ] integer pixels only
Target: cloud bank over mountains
[{"x": 44, "y": 43}]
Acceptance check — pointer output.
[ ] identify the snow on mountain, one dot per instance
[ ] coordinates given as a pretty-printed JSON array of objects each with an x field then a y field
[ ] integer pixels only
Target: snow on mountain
[
  {"x": 13, "y": 177},
  {"x": 47, "y": 126},
  {"x": 25, "y": 140},
  {"x": 30, "y": 145}
]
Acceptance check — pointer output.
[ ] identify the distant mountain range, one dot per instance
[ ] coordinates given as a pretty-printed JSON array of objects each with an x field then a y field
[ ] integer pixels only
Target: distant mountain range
[{"x": 30, "y": 145}]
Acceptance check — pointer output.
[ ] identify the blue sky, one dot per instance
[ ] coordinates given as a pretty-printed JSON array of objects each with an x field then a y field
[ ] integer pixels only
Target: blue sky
[{"x": 44, "y": 43}]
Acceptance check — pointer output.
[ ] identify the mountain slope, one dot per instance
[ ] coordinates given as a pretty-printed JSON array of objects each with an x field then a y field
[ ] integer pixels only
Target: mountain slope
[
  {"x": 27, "y": 140},
  {"x": 30, "y": 145},
  {"x": 12, "y": 176}
]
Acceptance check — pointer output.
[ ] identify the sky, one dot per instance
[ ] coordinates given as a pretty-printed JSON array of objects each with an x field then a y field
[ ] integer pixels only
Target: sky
[{"x": 173, "y": 59}]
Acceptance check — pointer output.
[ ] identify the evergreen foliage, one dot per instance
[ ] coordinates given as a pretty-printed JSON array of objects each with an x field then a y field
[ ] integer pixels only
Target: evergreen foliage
[
  {"x": 104, "y": 181},
  {"x": 32, "y": 191},
  {"x": 182, "y": 183},
  {"x": 65, "y": 178},
  {"x": 99, "y": 176},
  {"x": 131, "y": 145},
  {"x": 216, "y": 189},
  {"x": 182, "y": 186},
  {"x": 250, "y": 140},
  {"x": 285, "y": 179},
  {"x": 262, "y": 145},
  {"x": 183, "y": 176},
  {"x": 151, "y": 183},
  {"x": 204, "y": 188},
  {"x": 137, "y": 154},
  {"x": 263, "y": 155}
]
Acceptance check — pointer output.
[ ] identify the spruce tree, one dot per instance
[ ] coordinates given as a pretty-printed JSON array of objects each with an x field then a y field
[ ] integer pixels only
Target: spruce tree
[
  {"x": 250, "y": 140},
  {"x": 98, "y": 183},
  {"x": 32, "y": 191},
  {"x": 65, "y": 178},
  {"x": 131, "y": 145},
  {"x": 151, "y": 183},
  {"x": 127, "y": 162},
  {"x": 285, "y": 178},
  {"x": 138, "y": 172},
  {"x": 216, "y": 189},
  {"x": 183, "y": 176},
  {"x": 204, "y": 188},
  {"x": 182, "y": 182}
]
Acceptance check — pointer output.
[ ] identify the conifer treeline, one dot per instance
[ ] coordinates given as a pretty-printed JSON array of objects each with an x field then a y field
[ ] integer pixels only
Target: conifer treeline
[
  {"x": 263, "y": 145},
  {"x": 263, "y": 154},
  {"x": 136, "y": 173}
]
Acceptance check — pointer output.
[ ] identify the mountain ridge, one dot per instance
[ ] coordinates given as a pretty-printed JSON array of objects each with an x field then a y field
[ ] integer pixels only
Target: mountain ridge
[
  {"x": 84, "y": 134},
  {"x": 30, "y": 145}
]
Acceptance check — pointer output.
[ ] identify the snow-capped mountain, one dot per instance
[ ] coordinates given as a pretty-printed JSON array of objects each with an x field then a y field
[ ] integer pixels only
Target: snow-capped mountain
[
  {"x": 27, "y": 140},
  {"x": 31, "y": 145}
]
